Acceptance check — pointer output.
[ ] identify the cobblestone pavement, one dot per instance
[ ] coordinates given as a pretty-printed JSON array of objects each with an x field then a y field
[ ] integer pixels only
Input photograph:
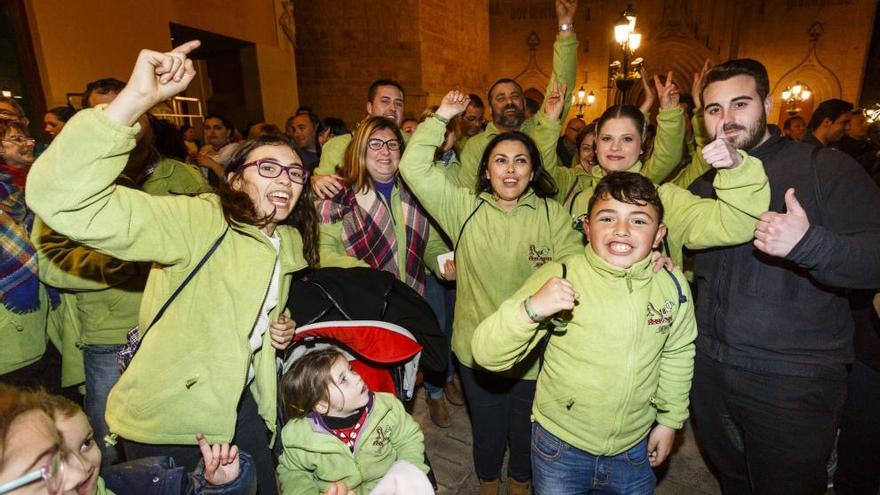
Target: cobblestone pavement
[{"x": 449, "y": 450}]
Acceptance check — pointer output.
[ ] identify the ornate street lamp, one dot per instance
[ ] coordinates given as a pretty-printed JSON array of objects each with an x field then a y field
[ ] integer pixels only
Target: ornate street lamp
[
  {"x": 624, "y": 72},
  {"x": 581, "y": 99}
]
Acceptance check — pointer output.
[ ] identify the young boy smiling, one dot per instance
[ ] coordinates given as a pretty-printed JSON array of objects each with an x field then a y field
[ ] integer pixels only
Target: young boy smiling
[{"x": 617, "y": 369}]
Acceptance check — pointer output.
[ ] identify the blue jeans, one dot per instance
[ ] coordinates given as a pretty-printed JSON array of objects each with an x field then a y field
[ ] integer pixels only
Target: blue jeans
[
  {"x": 441, "y": 297},
  {"x": 102, "y": 373},
  {"x": 560, "y": 469}
]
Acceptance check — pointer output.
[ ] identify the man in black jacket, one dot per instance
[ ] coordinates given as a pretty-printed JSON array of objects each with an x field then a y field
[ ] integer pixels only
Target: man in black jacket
[{"x": 776, "y": 332}]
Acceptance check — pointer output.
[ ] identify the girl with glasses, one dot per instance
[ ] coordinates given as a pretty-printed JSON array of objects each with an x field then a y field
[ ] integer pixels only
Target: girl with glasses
[{"x": 208, "y": 364}]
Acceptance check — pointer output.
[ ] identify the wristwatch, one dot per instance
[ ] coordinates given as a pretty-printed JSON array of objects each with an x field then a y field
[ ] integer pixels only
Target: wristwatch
[{"x": 566, "y": 28}]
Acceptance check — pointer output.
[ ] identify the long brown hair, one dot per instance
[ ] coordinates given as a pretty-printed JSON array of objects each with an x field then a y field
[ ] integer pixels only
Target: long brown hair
[
  {"x": 239, "y": 208},
  {"x": 354, "y": 171},
  {"x": 308, "y": 382}
]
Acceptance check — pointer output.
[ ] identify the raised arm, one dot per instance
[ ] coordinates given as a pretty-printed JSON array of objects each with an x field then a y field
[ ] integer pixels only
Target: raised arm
[
  {"x": 548, "y": 123},
  {"x": 509, "y": 334},
  {"x": 564, "y": 52},
  {"x": 743, "y": 194},
  {"x": 446, "y": 202},
  {"x": 669, "y": 142},
  {"x": 72, "y": 186}
]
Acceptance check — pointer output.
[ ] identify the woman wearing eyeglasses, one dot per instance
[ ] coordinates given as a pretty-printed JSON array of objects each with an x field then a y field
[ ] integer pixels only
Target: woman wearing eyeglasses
[
  {"x": 16, "y": 150},
  {"x": 374, "y": 220},
  {"x": 33, "y": 459},
  {"x": 208, "y": 364}
]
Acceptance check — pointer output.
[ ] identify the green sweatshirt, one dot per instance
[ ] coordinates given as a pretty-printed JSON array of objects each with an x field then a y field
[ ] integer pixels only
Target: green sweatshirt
[
  {"x": 693, "y": 222},
  {"x": 108, "y": 291},
  {"x": 333, "y": 253},
  {"x": 497, "y": 250},
  {"x": 623, "y": 360},
  {"x": 313, "y": 457},
  {"x": 192, "y": 366},
  {"x": 564, "y": 69},
  {"x": 24, "y": 336}
]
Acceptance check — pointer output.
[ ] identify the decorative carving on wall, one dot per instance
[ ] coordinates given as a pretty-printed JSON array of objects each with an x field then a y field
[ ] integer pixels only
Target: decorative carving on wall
[
  {"x": 819, "y": 77},
  {"x": 532, "y": 76},
  {"x": 286, "y": 21}
]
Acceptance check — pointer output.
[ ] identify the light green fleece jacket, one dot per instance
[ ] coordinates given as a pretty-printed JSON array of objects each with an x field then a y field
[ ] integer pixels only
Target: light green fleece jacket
[
  {"x": 564, "y": 70},
  {"x": 192, "y": 366},
  {"x": 693, "y": 222},
  {"x": 497, "y": 250},
  {"x": 108, "y": 291},
  {"x": 313, "y": 457},
  {"x": 623, "y": 360},
  {"x": 332, "y": 250}
]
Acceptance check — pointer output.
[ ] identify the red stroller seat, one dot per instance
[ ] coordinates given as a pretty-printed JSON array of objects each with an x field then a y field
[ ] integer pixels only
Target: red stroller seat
[{"x": 384, "y": 354}]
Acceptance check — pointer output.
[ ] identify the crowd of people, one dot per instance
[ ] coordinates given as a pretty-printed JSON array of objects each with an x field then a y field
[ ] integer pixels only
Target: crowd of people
[{"x": 599, "y": 284}]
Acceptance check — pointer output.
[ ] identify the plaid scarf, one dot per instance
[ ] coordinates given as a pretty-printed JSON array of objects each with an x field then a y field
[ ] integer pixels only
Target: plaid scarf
[
  {"x": 368, "y": 231},
  {"x": 19, "y": 281}
]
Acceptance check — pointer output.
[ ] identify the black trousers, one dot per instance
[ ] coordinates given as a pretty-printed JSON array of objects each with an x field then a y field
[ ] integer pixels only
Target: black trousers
[
  {"x": 251, "y": 436},
  {"x": 765, "y": 433},
  {"x": 501, "y": 411},
  {"x": 858, "y": 446}
]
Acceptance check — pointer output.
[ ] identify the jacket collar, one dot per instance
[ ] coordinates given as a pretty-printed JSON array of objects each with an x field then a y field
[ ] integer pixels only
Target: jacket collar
[
  {"x": 529, "y": 199},
  {"x": 598, "y": 172},
  {"x": 639, "y": 274}
]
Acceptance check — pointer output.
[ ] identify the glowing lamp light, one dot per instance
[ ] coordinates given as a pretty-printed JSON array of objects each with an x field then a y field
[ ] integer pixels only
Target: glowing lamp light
[
  {"x": 786, "y": 94},
  {"x": 591, "y": 98},
  {"x": 621, "y": 33},
  {"x": 806, "y": 94},
  {"x": 581, "y": 94},
  {"x": 635, "y": 39}
]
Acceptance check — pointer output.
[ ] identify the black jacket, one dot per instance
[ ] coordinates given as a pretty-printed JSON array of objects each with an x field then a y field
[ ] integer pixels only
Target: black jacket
[{"x": 791, "y": 316}]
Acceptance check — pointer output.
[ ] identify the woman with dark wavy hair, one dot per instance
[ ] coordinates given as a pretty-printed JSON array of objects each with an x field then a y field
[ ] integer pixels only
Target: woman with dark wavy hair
[
  {"x": 503, "y": 231},
  {"x": 208, "y": 363}
]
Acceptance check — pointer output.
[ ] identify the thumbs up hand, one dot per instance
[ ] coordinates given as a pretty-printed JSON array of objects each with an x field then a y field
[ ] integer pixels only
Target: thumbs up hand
[
  {"x": 777, "y": 233},
  {"x": 720, "y": 153}
]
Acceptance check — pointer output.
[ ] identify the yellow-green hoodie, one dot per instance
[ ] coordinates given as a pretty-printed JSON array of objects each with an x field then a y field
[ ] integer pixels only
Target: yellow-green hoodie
[
  {"x": 624, "y": 360},
  {"x": 192, "y": 366},
  {"x": 497, "y": 250}
]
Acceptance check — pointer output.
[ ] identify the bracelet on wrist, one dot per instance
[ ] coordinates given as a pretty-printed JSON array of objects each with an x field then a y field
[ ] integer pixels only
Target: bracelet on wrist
[
  {"x": 440, "y": 117},
  {"x": 531, "y": 312},
  {"x": 566, "y": 27}
]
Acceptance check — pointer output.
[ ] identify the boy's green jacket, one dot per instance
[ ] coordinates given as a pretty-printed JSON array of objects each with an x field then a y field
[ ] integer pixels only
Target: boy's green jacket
[
  {"x": 496, "y": 250},
  {"x": 313, "y": 457},
  {"x": 191, "y": 369},
  {"x": 624, "y": 359},
  {"x": 693, "y": 222}
]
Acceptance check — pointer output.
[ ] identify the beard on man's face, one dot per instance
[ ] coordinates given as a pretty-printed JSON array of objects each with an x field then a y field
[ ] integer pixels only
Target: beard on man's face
[
  {"x": 752, "y": 136},
  {"x": 510, "y": 119}
]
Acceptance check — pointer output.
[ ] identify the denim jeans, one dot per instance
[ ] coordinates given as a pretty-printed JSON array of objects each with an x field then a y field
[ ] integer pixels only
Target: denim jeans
[
  {"x": 441, "y": 297},
  {"x": 560, "y": 469},
  {"x": 102, "y": 373}
]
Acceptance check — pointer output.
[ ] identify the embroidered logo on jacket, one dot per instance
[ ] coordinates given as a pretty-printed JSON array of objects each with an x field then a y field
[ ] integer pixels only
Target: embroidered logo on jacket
[
  {"x": 539, "y": 256},
  {"x": 660, "y": 319},
  {"x": 383, "y": 435}
]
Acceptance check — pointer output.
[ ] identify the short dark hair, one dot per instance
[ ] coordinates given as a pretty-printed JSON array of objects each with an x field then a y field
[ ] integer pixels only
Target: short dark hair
[
  {"x": 627, "y": 187},
  {"x": 378, "y": 83},
  {"x": 738, "y": 67},
  {"x": 63, "y": 113},
  {"x": 503, "y": 80},
  {"x": 476, "y": 101},
  {"x": 105, "y": 85},
  {"x": 787, "y": 124},
  {"x": 541, "y": 182},
  {"x": 624, "y": 111},
  {"x": 688, "y": 100},
  {"x": 336, "y": 125},
  {"x": 532, "y": 105},
  {"x": 226, "y": 122},
  {"x": 303, "y": 109},
  {"x": 829, "y": 109}
]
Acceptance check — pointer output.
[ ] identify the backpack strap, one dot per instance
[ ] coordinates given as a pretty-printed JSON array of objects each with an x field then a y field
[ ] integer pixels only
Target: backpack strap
[
  {"x": 681, "y": 297},
  {"x": 461, "y": 231}
]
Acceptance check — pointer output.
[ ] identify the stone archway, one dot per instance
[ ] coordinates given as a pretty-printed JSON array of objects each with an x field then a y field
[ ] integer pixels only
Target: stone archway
[{"x": 682, "y": 56}]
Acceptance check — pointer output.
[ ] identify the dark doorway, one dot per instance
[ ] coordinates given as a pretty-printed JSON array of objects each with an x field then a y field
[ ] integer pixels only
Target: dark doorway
[
  {"x": 19, "y": 77},
  {"x": 228, "y": 82},
  {"x": 871, "y": 83}
]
